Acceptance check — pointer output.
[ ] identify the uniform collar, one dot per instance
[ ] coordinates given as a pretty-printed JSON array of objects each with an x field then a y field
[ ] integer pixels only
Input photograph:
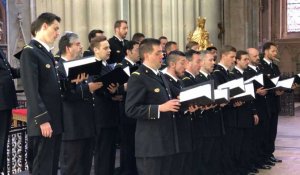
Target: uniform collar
[
  {"x": 267, "y": 61},
  {"x": 174, "y": 78},
  {"x": 223, "y": 66},
  {"x": 47, "y": 47},
  {"x": 131, "y": 62},
  {"x": 190, "y": 73},
  {"x": 204, "y": 73},
  {"x": 153, "y": 70},
  {"x": 240, "y": 70}
]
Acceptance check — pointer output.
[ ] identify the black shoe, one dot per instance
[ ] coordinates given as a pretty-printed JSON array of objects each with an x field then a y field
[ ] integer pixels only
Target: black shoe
[
  {"x": 270, "y": 163},
  {"x": 253, "y": 170},
  {"x": 264, "y": 167},
  {"x": 273, "y": 159}
]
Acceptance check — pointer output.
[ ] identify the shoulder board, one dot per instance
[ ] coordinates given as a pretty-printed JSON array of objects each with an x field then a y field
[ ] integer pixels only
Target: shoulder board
[
  {"x": 56, "y": 56},
  {"x": 217, "y": 70},
  {"x": 27, "y": 46},
  {"x": 120, "y": 64},
  {"x": 231, "y": 72},
  {"x": 135, "y": 73},
  {"x": 186, "y": 78}
]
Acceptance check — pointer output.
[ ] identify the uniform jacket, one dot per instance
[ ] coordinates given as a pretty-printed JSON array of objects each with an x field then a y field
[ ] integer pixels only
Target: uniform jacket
[
  {"x": 42, "y": 89},
  {"x": 155, "y": 134},
  {"x": 78, "y": 110},
  {"x": 182, "y": 120},
  {"x": 117, "y": 50},
  {"x": 212, "y": 118},
  {"x": 106, "y": 110},
  {"x": 8, "y": 98}
]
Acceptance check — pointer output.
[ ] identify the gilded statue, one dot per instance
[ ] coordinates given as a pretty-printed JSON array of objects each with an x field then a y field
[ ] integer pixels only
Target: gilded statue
[{"x": 200, "y": 35}]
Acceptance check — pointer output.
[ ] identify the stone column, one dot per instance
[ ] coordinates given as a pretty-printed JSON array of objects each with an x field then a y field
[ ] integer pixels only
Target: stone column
[{"x": 211, "y": 10}]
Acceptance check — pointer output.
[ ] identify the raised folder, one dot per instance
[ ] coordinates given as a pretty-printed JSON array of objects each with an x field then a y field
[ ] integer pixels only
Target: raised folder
[
  {"x": 200, "y": 94},
  {"x": 248, "y": 95},
  {"x": 221, "y": 96},
  {"x": 118, "y": 75},
  {"x": 285, "y": 84},
  {"x": 85, "y": 65},
  {"x": 235, "y": 86}
]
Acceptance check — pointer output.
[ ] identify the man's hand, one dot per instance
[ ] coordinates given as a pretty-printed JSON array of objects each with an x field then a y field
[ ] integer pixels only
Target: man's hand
[
  {"x": 80, "y": 78},
  {"x": 46, "y": 130},
  {"x": 261, "y": 91},
  {"x": 94, "y": 86},
  {"x": 238, "y": 103},
  {"x": 193, "y": 108},
  {"x": 170, "y": 106},
  {"x": 112, "y": 88},
  {"x": 117, "y": 98},
  {"x": 256, "y": 119},
  {"x": 279, "y": 92}
]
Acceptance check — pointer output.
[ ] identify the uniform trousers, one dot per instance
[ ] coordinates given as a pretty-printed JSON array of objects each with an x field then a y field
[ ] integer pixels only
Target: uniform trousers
[
  {"x": 46, "y": 154},
  {"x": 5, "y": 123}
]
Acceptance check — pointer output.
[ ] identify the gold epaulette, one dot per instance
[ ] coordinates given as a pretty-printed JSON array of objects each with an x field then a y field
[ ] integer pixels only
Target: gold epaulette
[
  {"x": 119, "y": 64},
  {"x": 56, "y": 56},
  {"x": 186, "y": 78},
  {"x": 216, "y": 70},
  {"x": 27, "y": 46},
  {"x": 135, "y": 73}
]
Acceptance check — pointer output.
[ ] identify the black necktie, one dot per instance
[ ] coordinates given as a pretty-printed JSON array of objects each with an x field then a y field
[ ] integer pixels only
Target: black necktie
[
  {"x": 208, "y": 77},
  {"x": 271, "y": 65}
]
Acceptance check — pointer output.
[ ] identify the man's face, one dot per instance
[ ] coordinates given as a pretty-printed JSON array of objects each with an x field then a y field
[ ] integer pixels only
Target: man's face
[
  {"x": 51, "y": 32},
  {"x": 156, "y": 56},
  {"x": 229, "y": 59},
  {"x": 103, "y": 50},
  {"x": 122, "y": 30},
  {"x": 75, "y": 49},
  {"x": 134, "y": 53},
  {"x": 195, "y": 64},
  {"x": 163, "y": 43},
  {"x": 208, "y": 63},
  {"x": 243, "y": 62},
  {"x": 254, "y": 57},
  {"x": 180, "y": 66},
  {"x": 271, "y": 53}
]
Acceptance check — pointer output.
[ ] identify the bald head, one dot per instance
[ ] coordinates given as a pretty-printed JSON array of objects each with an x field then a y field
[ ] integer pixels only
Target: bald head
[{"x": 254, "y": 56}]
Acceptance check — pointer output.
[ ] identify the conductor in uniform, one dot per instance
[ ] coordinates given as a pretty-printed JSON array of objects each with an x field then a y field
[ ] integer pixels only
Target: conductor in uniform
[
  {"x": 42, "y": 90},
  {"x": 149, "y": 101},
  {"x": 8, "y": 100}
]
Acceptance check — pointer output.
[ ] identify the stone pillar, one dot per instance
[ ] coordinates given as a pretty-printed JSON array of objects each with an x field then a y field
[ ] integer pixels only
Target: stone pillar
[{"x": 211, "y": 11}]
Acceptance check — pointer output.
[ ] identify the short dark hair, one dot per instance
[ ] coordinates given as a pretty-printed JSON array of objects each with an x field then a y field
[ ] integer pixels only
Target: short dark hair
[
  {"x": 227, "y": 48},
  {"x": 146, "y": 46},
  {"x": 162, "y": 37},
  {"x": 173, "y": 56},
  {"x": 96, "y": 41},
  {"x": 169, "y": 44},
  {"x": 190, "y": 44},
  {"x": 66, "y": 41},
  {"x": 129, "y": 45},
  {"x": 189, "y": 54},
  {"x": 47, "y": 18},
  {"x": 267, "y": 46},
  {"x": 118, "y": 23},
  {"x": 211, "y": 48},
  {"x": 93, "y": 33},
  {"x": 137, "y": 36},
  {"x": 239, "y": 54}
]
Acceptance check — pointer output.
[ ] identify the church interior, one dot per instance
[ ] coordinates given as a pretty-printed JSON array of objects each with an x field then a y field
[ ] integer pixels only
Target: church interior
[{"x": 240, "y": 23}]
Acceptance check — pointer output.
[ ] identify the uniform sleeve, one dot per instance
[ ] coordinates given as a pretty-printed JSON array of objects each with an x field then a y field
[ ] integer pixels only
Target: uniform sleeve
[
  {"x": 30, "y": 79},
  {"x": 135, "y": 105}
]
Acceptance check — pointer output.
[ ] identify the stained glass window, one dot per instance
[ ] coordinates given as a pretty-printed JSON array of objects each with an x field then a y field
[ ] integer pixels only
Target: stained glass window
[{"x": 293, "y": 15}]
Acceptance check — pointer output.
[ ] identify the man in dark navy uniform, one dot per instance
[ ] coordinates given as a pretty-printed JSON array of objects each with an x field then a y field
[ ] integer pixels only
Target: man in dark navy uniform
[
  {"x": 127, "y": 125},
  {"x": 42, "y": 90},
  {"x": 117, "y": 43},
  {"x": 78, "y": 112},
  {"x": 149, "y": 101},
  {"x": 273, "y": 97},
  {"x": 106, "y": 113},
  {"x": 8, "y": 101},
  {"x": 176, "y": 63}
]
